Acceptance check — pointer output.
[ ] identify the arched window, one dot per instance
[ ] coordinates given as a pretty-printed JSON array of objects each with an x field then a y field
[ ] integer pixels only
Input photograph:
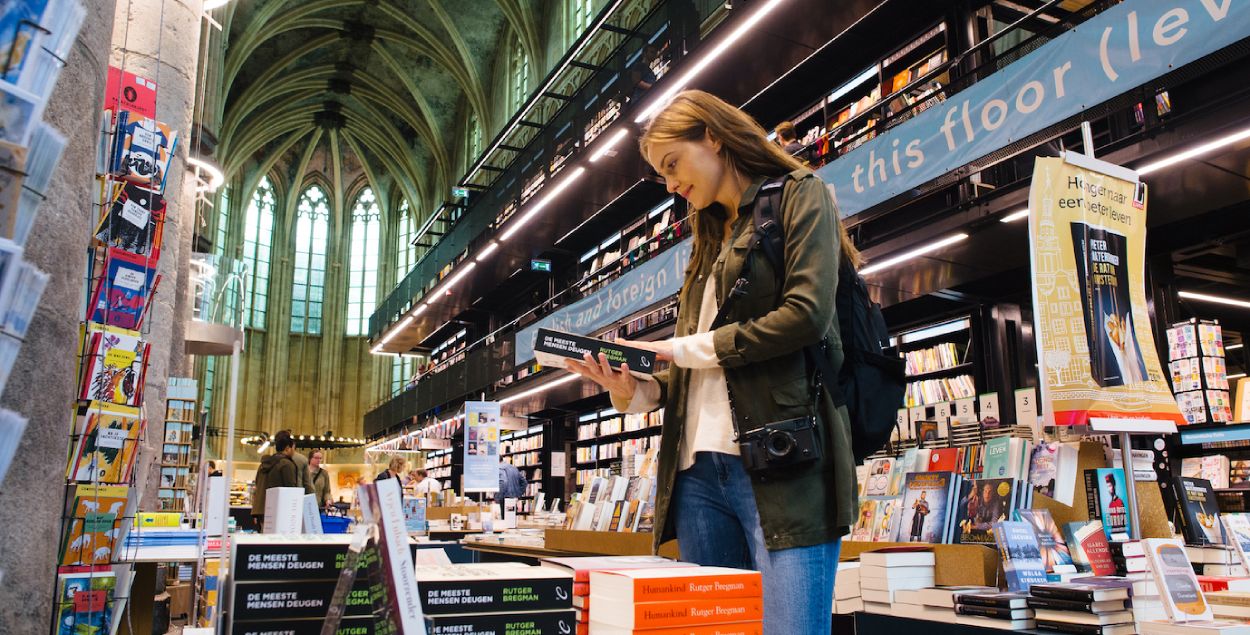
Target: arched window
[
  {"x": 519, "y": 75},
  {"x": 580, "y": 12},
  {"x": 312, "y": 228},
  {"x": 405, "y": 252},
  {"x": 362, "y": 281},
  {"x": 402, "y": 369},
  {"x": 257, "y": 246}
]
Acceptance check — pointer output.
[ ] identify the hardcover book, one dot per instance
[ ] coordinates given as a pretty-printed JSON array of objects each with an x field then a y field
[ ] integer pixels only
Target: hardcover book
[
  {"x": 84, "y": 600},
  {"x": 1087, "y": 544},
  {"x": 552, "y": 348},
  {"x": 982, "y": 503},
  {"x": 106, "y": 442},
  {"x": 96, "y": 513},
  {"x": 115, "y": 366},
  {"x": 1105, "y": 491},
  {"x": 1199, "y": 511},
  {"x": 1178, "y": 586},
  {"x": 926, "y": 510},
  {"x": 1054, "y": 548},
  {"x": 1021, "y": 554},
  {"x": 493, "y": 588}
]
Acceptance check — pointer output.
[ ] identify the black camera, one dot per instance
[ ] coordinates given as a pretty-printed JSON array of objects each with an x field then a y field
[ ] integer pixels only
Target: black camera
[{"x": 780, "y": 445}]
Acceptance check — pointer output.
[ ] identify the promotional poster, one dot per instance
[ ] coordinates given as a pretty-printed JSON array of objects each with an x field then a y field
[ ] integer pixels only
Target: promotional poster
[
  {"x": 481, "y": 446},
  {"x": 1098, "y": 360}
]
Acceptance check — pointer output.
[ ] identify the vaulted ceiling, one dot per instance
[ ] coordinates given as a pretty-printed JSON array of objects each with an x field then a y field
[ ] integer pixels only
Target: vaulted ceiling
[{"x": 385, "y": 79}]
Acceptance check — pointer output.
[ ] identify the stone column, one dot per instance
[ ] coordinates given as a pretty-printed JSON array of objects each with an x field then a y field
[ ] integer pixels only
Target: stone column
[
  {"x": 159, "y": 40},
  {"x": 43, "y": 384}
]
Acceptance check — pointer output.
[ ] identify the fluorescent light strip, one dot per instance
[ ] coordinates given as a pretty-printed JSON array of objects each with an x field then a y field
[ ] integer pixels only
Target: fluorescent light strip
[
  {"x": 538, "y": 207},
  {"x": 1216, "y": 299},
  {"x": 486, "y": 253},
  {"x": 1236, "y": 376},
  {"x": 1015, "y": 216},
  {"x": 609, "y": 144},
  {"x": 707, "y": 60},
  {"x": 1194, "y": 152},
  {"x": 538, "y": 389},
  {"x": 464, "y": 271},
  {"x": 1233, "y": 347},
  {"x": 869, "y": 73},
  {"x": 914, "y": 253}
]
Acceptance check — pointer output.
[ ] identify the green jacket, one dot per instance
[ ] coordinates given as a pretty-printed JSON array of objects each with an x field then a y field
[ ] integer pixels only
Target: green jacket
[
  {"x": 321, "y": 486},
  {"x": 761, "y": 353}
]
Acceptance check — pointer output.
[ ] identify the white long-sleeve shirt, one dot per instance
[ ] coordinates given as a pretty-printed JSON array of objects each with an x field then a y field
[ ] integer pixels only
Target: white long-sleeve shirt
[{"x": 709, "y": 424}]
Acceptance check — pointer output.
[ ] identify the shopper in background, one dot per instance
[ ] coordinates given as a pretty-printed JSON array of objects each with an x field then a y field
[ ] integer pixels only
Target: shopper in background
[
  {"x": 276, "y": 470},
  {"x": 393, "y": 470},
  {"x": 511, "y": 482},
  {"x": 424, "y": 484},
  {"x": 301, "y": 467},
  {"x": 319, "y": 478},
  {"x": 788, "y": 139},
  {"x": 212, "y": 469},
  {"x": 786, "y": 522}
]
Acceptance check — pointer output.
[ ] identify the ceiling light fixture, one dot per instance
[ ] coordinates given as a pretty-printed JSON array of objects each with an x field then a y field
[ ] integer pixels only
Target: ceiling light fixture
[
  {"x": 539, "y": 389},
  {"x": 540, "y": 205},
  {"x": 1015, "y": 216},
  {"x": 215, "y": 177},
  {"x": 1233, "y": 347},
  {"x": 707, "y": 60},
  {"x": 1236, "y": 376},
  {"x": 464, "y": 271},
  {"x": 914, "y": 253},
  {"x": 610, "y": 144},
  {"x": 1216, "y": 299},
  {"x": 1196, "y": 151}
]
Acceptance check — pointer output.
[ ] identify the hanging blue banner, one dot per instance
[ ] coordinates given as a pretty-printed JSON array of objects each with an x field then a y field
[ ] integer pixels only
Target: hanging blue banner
[
  {"x": 481, "y": 446},
  {"x": 651, "y": 282},
  {"x": 1112, "y": 53}
]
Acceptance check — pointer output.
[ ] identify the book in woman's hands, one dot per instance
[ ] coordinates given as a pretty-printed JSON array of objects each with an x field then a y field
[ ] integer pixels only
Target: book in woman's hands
[{"x": 553, "y": 348}]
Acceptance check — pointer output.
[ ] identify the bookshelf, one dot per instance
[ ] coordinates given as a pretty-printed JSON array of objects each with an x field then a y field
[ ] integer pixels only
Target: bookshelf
[
  {"x": 525, "y": 452},
  {"x": 939, "y": 362},
  {"x": 649, "y": 233},
  {"x": 1198, "y": 371},
  {"x": 604, "y": 438},
  {"x": 178, "y": 454}
]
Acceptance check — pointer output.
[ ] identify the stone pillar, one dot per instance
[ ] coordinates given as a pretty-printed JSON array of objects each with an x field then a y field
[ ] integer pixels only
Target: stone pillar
[
  {"x": 159, "y": 40},
  {"x": 43, "y": 384}
]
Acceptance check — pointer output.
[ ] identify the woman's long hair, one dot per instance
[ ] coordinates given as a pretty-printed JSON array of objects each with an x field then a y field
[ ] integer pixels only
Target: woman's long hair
[{"x": 745, "y": 148}]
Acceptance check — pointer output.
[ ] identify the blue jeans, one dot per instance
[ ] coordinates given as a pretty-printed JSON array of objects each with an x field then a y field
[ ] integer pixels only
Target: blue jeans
[{"x": 718, "y": 525}]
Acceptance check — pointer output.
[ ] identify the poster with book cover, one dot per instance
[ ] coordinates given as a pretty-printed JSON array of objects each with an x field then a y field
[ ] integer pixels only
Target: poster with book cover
[
  {"x": 926, "y": 510},
  {"x": 1099, "y": 363},
  {"x": 481, "y": 446}
]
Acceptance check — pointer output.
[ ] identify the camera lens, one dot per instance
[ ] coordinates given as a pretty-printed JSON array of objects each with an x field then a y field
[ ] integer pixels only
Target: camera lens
[{"x": 780, "y": 444}]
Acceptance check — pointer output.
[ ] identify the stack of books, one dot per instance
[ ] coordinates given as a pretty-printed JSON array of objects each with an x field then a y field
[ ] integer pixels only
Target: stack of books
[
  {"x": 505, "y": 597},
  {"x": 1144, "y": 598},
  {"x": 1217, "y": 561},
  {"x": 885, "y": 572},
  {"x": 1007, "y": 611},
  {"x": 1229, "y": 605},
  {"x": 729, "y": 601},
  {"x": 846, "y": 593},
  {"x": 580, "y": 569},
  {"x": 910, "y": 603},
  {"x": 1093, "y": 609},
  {"x": 943, "y": 597}
]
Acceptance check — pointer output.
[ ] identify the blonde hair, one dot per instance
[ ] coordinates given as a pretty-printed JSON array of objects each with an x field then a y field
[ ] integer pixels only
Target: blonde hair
[
  {"x": 397, "y": 464},
  {"x": 694, "y": 114}
]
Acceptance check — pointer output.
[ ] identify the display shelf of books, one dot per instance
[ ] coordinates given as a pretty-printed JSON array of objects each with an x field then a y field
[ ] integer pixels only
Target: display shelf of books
[
  {"x": 438, "y": 465},
  {"x": 178, "y": 453},
  {"x": 605, "y": 437},
  {"x": 1198, "y": 371},
  {"x": 655, "y": 230},
  {"x": 914, "y": 74},
  {"x": 938, "y": 361}
]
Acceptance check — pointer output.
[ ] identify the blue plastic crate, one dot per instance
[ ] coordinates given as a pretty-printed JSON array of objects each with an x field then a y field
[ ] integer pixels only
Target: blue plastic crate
[{"x": 334, "y": 524}]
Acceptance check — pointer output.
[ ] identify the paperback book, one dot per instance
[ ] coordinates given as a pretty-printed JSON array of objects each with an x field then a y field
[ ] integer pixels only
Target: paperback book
[
  {"x": 96, "y": 516},
  {"x": 143, "y": 150},
  {"x": 1021, "y": 554},
  {"x": 115, "y": 365},
  {"x": 105, "y": 443},
  {"x": 1088, "y": 546},
  {"x": 1237, "y": 531},
  {"x": 982, "y": 503},
  {"x": 84, "y": 600},
  {"x": 123, "y": 291},
  {"x": 1178, "y": 586},
  {"x": 1199, "y": 511},
  {"x": 492, "y": 588},
  {"x": 1105, "y": 492},
  {"x": 1054, "y": 548},
  {"x": 134, "y": 221},
  {"x": 927, "y": 501},
  {"x": 552, "y": 348}
]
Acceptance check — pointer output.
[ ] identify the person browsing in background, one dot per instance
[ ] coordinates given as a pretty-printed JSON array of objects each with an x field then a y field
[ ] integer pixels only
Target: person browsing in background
[
  {"x": 394, "y": 469},
  {"x": 319, "y": 478},
  {"x": 511, "y": 481},
  {"x": 276, "y": 470},
  {"x": 424, "y": 484},
  {"x": 301, "y": 466},
  {"x": 786, "y": 522},
  {"x": 788, "y": 139}
]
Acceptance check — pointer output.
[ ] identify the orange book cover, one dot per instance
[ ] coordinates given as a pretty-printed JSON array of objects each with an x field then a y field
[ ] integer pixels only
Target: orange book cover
[
  {"x": 651, "y": 615},
  {"x": 740, "y": 628},
  {"x": 668, "y": 585}
]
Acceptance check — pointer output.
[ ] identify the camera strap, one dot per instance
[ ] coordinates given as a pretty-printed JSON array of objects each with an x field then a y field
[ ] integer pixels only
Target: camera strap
[{"x": 767, "y": 239}]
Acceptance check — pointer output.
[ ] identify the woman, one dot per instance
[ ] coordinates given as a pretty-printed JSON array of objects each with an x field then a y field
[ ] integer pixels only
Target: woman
[
  {"x": 394, "y": 469},
  {"x": 787, "y": 523}
]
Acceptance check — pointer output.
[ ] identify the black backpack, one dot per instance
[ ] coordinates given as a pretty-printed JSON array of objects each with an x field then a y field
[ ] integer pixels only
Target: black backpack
[{"x": 872, "y": 384}]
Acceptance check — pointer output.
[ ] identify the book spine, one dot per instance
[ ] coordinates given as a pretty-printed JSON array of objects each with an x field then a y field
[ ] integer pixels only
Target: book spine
[
  {"x": 698, "y": 588},
  {"x": 545, "y": 623},
  {"x": 697, "y": 612},
  {"x": 988, "y": 602},
  {"x": 988, "y": 611},
  {"x": 1061, "y": 605},
  {"x": 443, "y": 597},
  {"x": 1059, "y": 593},
  {"x": 1066, "y": 627}
]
